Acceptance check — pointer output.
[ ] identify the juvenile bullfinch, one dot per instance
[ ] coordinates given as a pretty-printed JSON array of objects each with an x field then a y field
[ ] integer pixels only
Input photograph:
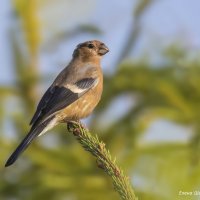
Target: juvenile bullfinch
[{"x": 72, "y": 96}]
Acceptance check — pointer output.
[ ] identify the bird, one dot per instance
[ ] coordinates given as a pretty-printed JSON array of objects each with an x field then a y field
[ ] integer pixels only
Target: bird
[{"x": 72, "y": 96}]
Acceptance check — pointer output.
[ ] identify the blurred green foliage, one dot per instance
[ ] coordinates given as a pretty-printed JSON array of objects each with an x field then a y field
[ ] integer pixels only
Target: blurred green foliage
[{"x": 64, "y": 171}]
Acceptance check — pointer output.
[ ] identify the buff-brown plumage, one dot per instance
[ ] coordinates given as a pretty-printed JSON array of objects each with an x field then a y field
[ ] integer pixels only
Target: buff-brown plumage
[{"x": 72, "y": 96}]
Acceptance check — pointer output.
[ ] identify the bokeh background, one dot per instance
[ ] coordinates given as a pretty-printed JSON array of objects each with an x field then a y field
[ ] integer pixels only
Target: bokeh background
[{"x": 149, "y": 116}]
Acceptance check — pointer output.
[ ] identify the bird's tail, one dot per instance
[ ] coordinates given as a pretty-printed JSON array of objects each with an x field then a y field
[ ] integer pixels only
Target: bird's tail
[{"x": 33, "y": 133}]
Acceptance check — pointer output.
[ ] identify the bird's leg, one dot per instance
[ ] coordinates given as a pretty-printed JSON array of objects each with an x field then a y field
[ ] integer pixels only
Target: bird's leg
[{"x": 70, "y": 125}]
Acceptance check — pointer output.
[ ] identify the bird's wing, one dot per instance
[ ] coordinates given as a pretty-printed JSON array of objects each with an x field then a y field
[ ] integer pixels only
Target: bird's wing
[
  {"x": 59, "y": 97},
  {"x": 54, "y": 99}
]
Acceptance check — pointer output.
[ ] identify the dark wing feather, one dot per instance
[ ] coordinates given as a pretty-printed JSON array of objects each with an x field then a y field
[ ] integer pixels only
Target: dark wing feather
[
  {"x": 57, "y": 98},
  {"x": 43, "y": 102},
  {"x": 54, "y": 99}
]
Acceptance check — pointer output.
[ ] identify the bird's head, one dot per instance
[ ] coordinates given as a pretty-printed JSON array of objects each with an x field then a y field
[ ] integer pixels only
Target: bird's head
[{"x": 91, "y": 49}]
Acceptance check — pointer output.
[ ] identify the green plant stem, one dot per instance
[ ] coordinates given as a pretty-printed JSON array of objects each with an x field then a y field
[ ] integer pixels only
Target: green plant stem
[{"x": 104, "y": 161}]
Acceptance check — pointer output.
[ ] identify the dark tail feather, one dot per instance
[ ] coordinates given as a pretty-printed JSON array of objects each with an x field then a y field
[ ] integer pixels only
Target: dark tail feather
[{"x": 34, "y": 132}]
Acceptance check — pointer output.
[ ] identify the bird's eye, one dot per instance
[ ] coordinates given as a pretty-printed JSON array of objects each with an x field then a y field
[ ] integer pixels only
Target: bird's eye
[{"x": 90, "y": 46}]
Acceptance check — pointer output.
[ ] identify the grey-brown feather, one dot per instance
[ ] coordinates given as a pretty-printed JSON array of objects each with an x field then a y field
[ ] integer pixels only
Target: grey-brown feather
[{"x": 57, "y": 98}]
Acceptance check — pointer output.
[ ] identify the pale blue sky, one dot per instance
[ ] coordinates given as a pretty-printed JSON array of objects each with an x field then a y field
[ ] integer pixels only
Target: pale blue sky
[{"x": 164, "y": 22}]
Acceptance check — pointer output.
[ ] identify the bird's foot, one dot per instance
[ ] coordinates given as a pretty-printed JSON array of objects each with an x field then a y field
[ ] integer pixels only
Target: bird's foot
[{"x": 70, "y": 124}]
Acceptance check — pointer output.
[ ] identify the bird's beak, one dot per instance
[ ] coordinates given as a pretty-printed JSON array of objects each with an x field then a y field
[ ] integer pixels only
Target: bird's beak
[{"x": 103, "y": 50}]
